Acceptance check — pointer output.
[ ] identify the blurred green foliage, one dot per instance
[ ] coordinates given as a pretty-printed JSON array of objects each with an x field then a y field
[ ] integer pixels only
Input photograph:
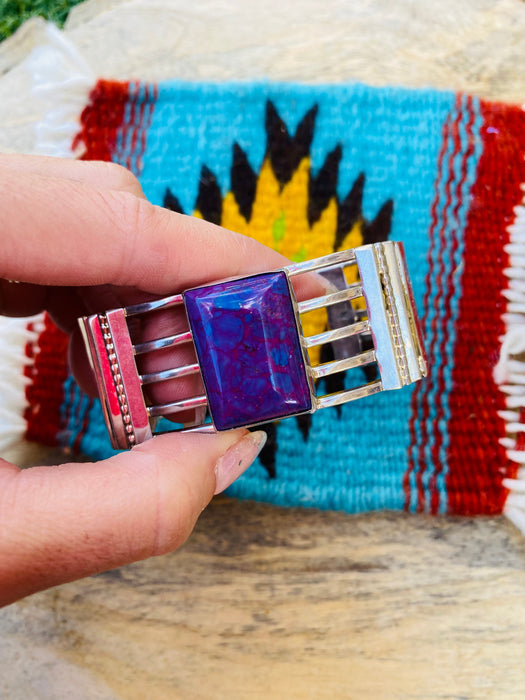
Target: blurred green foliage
[{"x": 14, "y": 12}]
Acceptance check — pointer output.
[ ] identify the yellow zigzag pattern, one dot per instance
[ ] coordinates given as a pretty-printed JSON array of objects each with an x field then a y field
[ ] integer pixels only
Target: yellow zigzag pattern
[{"x": 280, "y": 221}]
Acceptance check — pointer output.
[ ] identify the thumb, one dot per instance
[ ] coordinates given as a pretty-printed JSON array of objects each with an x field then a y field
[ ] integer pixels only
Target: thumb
[{"x": 64, "y": 522}]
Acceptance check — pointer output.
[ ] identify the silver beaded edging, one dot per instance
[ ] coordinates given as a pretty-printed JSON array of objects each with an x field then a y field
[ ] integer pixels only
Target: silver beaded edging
[
  {"x": 117, "y": 380},
  {"x": 397, "y": 336}
]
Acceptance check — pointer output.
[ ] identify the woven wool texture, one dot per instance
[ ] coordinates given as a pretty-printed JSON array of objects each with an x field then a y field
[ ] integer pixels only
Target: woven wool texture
[{"x": 310, "y": 170}]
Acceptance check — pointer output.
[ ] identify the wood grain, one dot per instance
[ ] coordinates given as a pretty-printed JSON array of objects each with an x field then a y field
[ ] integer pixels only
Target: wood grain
[
  {"x": 474, "y": 45},
  {"x": 265, "y": 602}
]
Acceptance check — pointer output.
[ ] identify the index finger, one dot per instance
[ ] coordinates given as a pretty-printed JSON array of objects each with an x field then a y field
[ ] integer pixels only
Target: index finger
[{"x": 61, "y": 232}]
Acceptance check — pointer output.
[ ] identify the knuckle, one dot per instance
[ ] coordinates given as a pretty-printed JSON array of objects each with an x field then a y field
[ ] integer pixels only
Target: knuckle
[
  {"x": 172, "y": 522},
  {"x": 118, "y": 177},
  {"x": 133, "y": 219},
  {"x": 147, "y": 241}
]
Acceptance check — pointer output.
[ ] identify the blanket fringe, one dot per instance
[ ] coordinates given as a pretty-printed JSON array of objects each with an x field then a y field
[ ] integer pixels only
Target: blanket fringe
[
  {"x": 510, "y": 371},
  {"x": 18, "y": 346},
  {"x": 62, "y": 81}
]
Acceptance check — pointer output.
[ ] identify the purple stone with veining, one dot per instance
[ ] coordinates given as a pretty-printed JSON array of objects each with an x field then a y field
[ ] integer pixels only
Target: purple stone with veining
[{"x": 248, "y": 348}]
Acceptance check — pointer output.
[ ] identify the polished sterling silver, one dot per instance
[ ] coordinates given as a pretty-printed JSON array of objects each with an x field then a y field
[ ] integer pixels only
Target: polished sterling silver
[{"x": 389, "y": 318}]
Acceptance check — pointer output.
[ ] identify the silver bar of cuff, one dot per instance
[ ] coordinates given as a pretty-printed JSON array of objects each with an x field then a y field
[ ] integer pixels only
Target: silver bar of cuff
[
  {"x": 344, "y": 256},
  {"x": 167, "y": 374},
  {"x": 391, "y": 314},
  {"x": 336, "y": 334},
  {"x": 173, "y": 300},
  {"x": 177, "y": 406},
  {"x": 162, "y": 343},
  {"x": 349, "y": 395},
  {"x": 324, "y": 370},
  {"x": 353, "y": 291}
]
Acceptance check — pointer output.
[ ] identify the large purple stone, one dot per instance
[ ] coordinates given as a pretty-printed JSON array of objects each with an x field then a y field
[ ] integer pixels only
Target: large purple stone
[{"x": 249, "y": 351}]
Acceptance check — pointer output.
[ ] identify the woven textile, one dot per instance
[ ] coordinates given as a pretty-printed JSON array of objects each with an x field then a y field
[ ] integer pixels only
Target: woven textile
[{"x": 309, "y": 170}]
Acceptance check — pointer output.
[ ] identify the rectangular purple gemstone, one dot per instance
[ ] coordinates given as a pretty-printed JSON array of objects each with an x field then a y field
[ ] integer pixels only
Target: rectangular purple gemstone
[{"x": 249, "y": 351}]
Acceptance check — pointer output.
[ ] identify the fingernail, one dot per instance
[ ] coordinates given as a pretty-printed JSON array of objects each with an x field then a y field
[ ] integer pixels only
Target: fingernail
[{"x": 237, "y": 459}]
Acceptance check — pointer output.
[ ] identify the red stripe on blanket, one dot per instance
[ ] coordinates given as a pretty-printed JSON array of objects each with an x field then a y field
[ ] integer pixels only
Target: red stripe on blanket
[
  {"x": 442, "y": 310},
  {"x": 45, "y": 394},
  {"x": 102, "y": 119},
  {"x": 445, "y": 298},
  {"x": 477, "y": 463},
  {"x": 439, "y": 217}
]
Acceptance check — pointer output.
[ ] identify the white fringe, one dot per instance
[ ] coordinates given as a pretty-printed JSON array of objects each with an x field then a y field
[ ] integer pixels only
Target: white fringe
[
  {"x": 62, "y": 81},
  {"x": 14, "y": 336},
  {"x": 510, "y": 370}
]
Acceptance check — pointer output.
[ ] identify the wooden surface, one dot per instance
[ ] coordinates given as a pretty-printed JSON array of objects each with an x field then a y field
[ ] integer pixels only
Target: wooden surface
[
  {"x": 273, "y": 603},
  {"x": 261, "y": 602}
]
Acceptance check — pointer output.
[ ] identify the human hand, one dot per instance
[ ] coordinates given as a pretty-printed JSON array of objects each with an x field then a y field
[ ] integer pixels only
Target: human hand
[{"x": 79, "y": 238}]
